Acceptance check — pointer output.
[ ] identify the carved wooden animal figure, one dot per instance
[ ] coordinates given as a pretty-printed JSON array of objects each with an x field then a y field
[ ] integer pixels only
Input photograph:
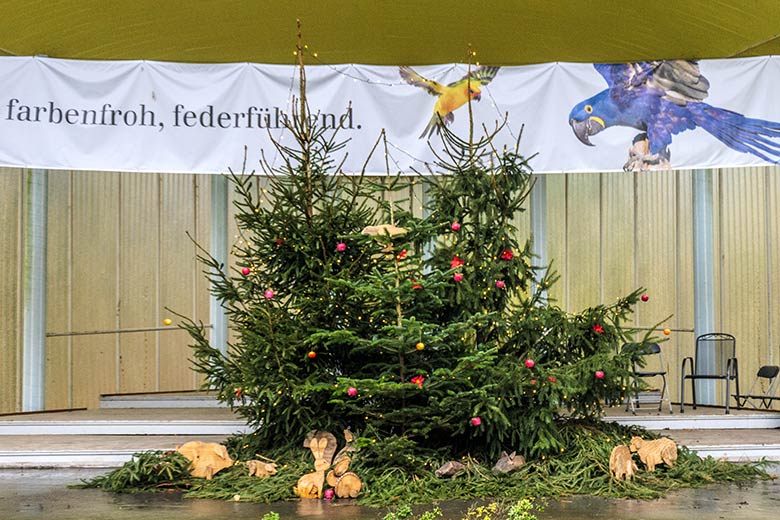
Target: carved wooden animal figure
[
  {"x": 323, "y": 446},
  {"x": 621, "y": 464},
  {"x": 310, "y": 485},
  {"x": 449, "y": 469},
  {"x": 258, "y": 468},
  {"x": 652, "y": 453},
  {"x": 207, "y": 458},
  {"x": 509, "y": 462}
]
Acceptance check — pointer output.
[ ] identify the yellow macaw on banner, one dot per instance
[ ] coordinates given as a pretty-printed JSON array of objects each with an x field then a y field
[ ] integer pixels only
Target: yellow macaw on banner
[{"x": 452, "y": 96}]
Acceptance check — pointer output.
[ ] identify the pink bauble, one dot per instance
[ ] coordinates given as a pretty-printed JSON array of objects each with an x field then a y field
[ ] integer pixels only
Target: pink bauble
[
  {"x": 599, "y": 374},
  {"x": 500, "y": 284},
  {"x": 458, "y": 277},
  {"x": 455, "y": 226},
  {"x": 476, "y": 421},
  {"x": 645, "y": 297},
  {"x": 341, "y": 246},
  {"x": 328, "y": 494},
  {"x": 529, "y": 363},
  {"x": 269, "y": 294},
  {"x": 245, "y": 271},
  {"x": 352, "y": 391}
]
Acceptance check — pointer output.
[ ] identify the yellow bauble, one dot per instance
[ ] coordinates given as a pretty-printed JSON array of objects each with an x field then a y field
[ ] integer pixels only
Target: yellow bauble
[
  {"x": 420, "y": 346},
  {"x": 167, "y": 321}
]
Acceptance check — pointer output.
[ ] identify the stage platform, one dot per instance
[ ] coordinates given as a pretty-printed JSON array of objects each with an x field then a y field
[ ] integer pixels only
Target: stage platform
[{"x": 108, "y": 436}]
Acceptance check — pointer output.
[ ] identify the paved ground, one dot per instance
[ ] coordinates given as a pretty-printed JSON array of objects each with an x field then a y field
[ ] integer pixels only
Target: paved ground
[{"x": 99, "y": 442}]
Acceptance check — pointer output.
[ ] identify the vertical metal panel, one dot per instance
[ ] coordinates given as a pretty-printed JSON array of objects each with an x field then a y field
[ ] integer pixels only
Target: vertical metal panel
[
  {"x": 59, "y": 315},
  {"x": 656, "y": 245},
  {"x": 95, "y": 275},
  {"x": 34, "y": 290},
  {"x": 744, "y": 279},
  {"x": 218, "y": 248},
  {"x": 537, "y": 210},
  {"x": 617, "y": 236},
  {"x": 178, "y": 286},
  {"x": 202, "y": 234},
  {"x": 773, "y": 262},
  {"x": 557, "y": 219},
  {"x": 139, "y": 243},
  {"x": 10, "y": 269},
  {"x": 680, "y": 343},
  {"x": 583, "y": 255}
]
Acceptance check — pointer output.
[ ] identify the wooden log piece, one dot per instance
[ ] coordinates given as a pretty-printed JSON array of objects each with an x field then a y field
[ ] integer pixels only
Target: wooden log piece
[{"x": 348, "y": 486}]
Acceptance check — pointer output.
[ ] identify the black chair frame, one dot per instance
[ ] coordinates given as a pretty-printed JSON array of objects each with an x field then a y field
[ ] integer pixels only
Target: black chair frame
[
  {"x": 641, "y": 350},
  {"x": 768, "y": 372},
  {"x": 731, "y": 369}
]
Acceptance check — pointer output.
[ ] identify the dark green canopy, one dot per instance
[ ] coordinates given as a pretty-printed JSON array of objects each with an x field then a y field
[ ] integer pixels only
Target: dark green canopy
[{"x": 390, "y": 32}]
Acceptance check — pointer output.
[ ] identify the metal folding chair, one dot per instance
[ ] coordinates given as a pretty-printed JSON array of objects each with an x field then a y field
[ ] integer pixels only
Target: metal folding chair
[
  {"x": 641, "y": 354},
  {"x": 766, "y": 374},
  {"x": 715, "y": 359}
]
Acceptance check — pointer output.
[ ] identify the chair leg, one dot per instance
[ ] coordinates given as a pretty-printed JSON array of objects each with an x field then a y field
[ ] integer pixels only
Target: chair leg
[
  {"x": 728, "y": 394},
  {"x": 663, "y": 392},
  {"x": 693, "y": 392},
  {"x": 682, "y": 392}
]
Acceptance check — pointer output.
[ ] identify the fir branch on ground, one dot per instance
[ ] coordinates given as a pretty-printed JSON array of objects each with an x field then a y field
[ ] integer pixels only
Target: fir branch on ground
[{"x": 396, "y": 471}]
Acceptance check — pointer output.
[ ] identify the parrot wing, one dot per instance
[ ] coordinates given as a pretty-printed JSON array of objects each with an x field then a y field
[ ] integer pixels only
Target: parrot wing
[
  {"x": 678, "y": 81},
  {"x": 480, "y": 75},
  {"x": 411, "y": 77}
]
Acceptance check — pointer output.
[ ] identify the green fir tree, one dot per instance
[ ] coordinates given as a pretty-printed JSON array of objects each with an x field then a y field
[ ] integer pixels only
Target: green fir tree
[{"x": 349, "y": 312}]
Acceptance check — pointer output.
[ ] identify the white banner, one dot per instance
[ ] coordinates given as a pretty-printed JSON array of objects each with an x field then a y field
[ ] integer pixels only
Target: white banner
[{"x": 173, "y": 117}]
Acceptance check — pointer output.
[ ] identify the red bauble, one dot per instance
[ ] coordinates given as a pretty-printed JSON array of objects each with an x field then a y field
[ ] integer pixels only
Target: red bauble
[
  {"x": 458, "y": 277},
  {"x": 529, "y": 363},
  {"x": 476, "y": 421},
  {"x": 245, "y": 271},
  {"x": 328, "y": 494},
  {"x": 507, "y": 254},
  {"x": 341, "y": 247},
  {"x": 455, "y": 226},
  {"x": 312, "y": 354},
  {"x": 352, "y": 391},
  {"x": 645, "y": 297},
  {"x": 269, "y": 294},
  {"x": 500, "y": 284},
  {"x": 599, "y": 374}
]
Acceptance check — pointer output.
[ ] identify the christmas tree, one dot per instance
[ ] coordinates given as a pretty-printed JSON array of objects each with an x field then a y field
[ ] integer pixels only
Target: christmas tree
[{"x": 350, "y": 312}]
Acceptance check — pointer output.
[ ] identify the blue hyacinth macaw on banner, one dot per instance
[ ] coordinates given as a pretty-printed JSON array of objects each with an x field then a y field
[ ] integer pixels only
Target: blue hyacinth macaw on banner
[{"x": 662, "y": 99}]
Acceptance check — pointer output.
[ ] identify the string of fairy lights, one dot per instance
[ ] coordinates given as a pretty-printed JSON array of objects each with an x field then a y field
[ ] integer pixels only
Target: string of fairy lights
[{"x": 356, "y": 74}]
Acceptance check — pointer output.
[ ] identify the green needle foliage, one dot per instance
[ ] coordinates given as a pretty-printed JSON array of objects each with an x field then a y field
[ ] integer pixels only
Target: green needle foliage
[
  {"x": 394, "y": 475},
  {"x": 429, "y": 337},
  {"x": 434, "y": 334}
]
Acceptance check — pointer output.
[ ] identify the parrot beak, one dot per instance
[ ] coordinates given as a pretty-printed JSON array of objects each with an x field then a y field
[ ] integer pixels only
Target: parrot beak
[
  {"x": 477, "y": 96},
  {"x": 586, "y": 128}
]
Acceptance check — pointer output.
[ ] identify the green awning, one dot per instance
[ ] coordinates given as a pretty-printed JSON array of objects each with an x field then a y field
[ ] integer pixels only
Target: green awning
[{"x": 390, "y": 32}]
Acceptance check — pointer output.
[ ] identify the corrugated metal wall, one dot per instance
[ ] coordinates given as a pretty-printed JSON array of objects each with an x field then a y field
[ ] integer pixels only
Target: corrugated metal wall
[
  {"x": 119, "y": 255},
  {"x": 11, "y": 182}
]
